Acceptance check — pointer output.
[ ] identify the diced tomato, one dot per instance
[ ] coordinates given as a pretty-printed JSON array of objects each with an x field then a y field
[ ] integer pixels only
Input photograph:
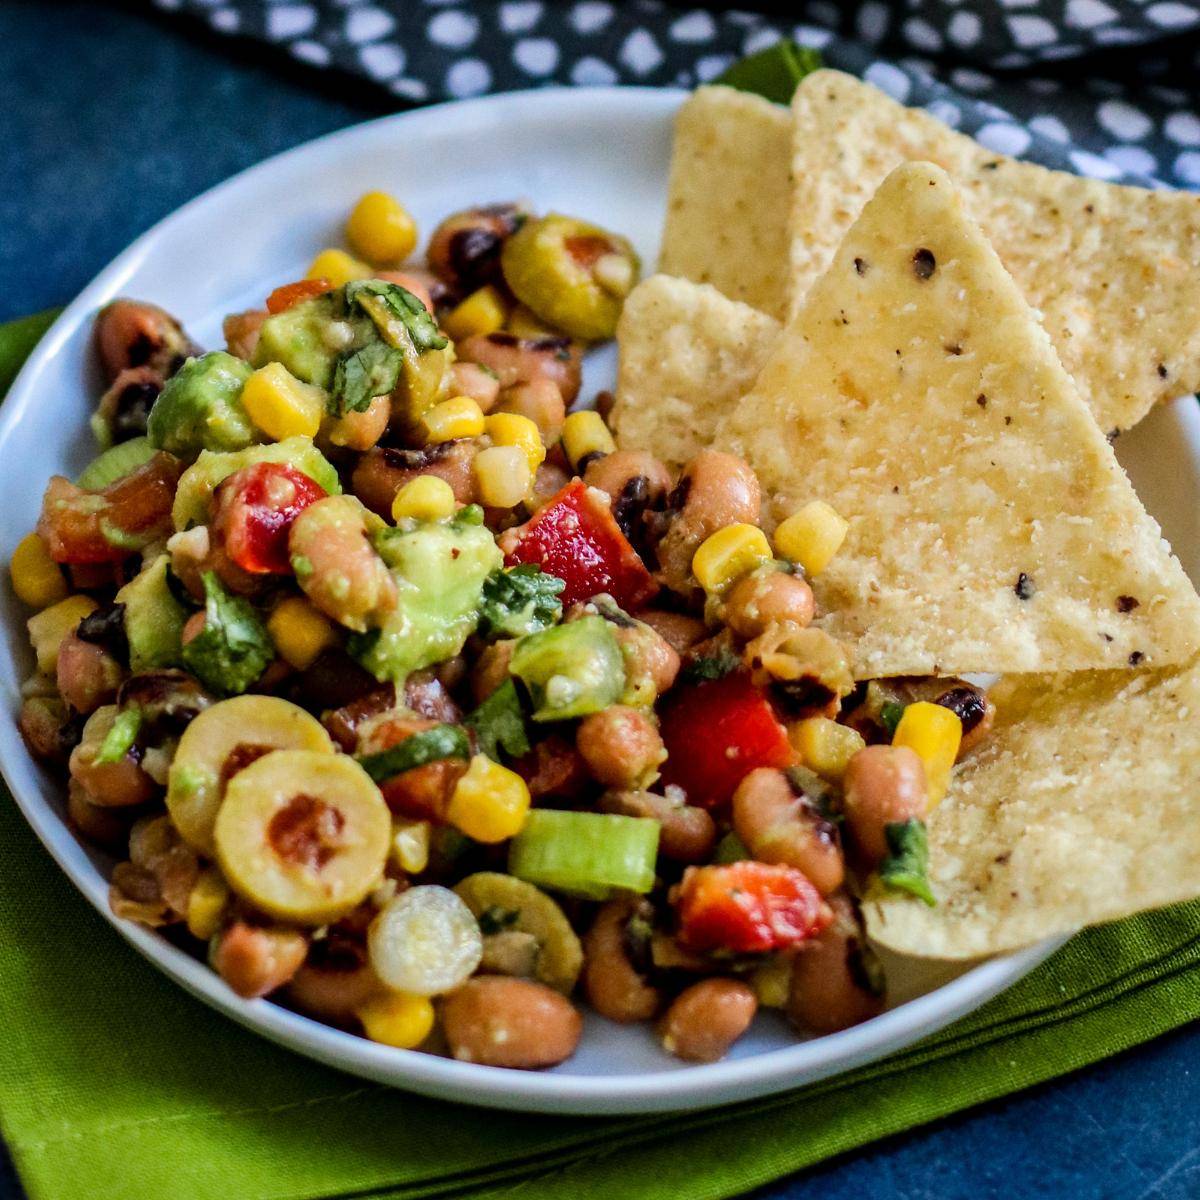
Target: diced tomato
[
  {"x": 748, "y": 908},
  {"x": 291, "y": 294},
  {"x": 716, "y": 733},
  {"x": 576, "y": 538},
  {"x": 255, "y": 508},
  {"x": 81, "y": 527}
]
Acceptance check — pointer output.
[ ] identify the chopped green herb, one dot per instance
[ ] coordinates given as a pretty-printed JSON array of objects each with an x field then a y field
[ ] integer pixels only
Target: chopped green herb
[
  {"x": 773, "y": 73},
  {"x": 710, "y": 666},
  {"x": 470, "y": 514},
  {"x": 427, "y": 746},
  {"x": 499, "y": 723},
  {"x": 234, "y": 648},
  {"x": 889, "y": 716},
  {"x": 361, "y": 375},
  {"x": 907, "y": 867},
  {"x": 519, "y": 600},
  {"x": 731, "y": 849},
  {"x": 398, "y": 302},
  {"x": 120, "y": 738}
]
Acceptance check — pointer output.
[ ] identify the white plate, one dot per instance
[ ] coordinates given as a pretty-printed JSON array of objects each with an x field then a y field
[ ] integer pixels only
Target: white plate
[{"x": 601, "y": 154}]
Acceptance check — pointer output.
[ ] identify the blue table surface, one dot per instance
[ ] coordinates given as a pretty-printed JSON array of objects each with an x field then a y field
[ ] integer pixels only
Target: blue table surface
[{"x": 113, "y": 119}]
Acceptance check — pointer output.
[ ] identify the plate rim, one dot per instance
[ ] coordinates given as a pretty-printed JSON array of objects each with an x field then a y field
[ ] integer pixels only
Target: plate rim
[{"x": 660, "y": 1090}]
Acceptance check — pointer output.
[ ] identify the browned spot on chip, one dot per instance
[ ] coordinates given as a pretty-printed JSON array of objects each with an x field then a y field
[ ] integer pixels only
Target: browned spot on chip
[{"x": 924, "y": 264}]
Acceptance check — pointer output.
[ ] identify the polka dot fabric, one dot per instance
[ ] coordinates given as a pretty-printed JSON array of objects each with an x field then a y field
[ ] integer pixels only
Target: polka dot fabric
[{"x": 1102, "y": 87}]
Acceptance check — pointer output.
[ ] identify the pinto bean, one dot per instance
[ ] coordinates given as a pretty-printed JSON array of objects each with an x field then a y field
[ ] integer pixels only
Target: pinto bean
[
  {"x": 256, "y": 960},
  {"x": 715, "y": 490},
  {"x": 517, "y": 360},
  {"x": 502, "y": 1021},
  {"x": 384, "y": 470},
  {"x": 706, "y": 1019},
  {"x": 621, "y": 746},
  {"x": 884, "y": 785},
  {"x": 835, "y": 980},
  {"x": 688, "y": 832},
  {"x": 614, "y": 986},
  {"x": 779, "y": 825}
]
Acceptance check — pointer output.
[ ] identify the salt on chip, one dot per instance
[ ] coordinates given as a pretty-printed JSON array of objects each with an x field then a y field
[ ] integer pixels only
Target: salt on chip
[
  {"x": 729, "y": 197},
  {"x": 1114, "y": 270},
  {"x": 1082, "y": 806},
  {"x": 686, "y": 355},
  {"x": 990, "y": 526}
]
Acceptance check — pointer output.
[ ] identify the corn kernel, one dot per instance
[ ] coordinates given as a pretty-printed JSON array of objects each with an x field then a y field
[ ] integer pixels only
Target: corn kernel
[
  {"x": 483, "y": 311},
  {"x": 381, "y": 229},
  {"x": 300, "y": 632},
  {"x": 48, "y": 628},
  {"x": 727, "y": 555},
  {"x": 206, "y": 904},
  {"x": 585, "y": 433},
  {"x": 281, "y": 405},
  {"x": 811, "y": 536},
  {"x": 825, "y": 746},
  {"x": 490, "y": 802},
  {"x": 503, "y": 476},
  {"x": 772, "y": 981},
  {"x": 36, "y": 578},
  {"x": 935, "y": 733},
  {"x": 426, "y": 498},
  {"x": 397, "y": 1019},
  {"x": 512, "y": 429},
  {"x": 338, "y": 267},
  {"x": 410, "y": 845},
  {"x": 524, "y": 323},
  {"x": 458, "y": 417}
]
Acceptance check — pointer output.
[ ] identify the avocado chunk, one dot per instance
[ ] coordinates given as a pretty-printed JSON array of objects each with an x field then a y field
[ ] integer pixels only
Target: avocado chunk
[
  {"x": 200, "y": 480},
  {"x": 570, "y": 670},
  {"x": 439, "y": 568},
  {"x": 153, "y": 618},
  {"x": 200, "y": 407},
  {"x": 307, "y": 338}
]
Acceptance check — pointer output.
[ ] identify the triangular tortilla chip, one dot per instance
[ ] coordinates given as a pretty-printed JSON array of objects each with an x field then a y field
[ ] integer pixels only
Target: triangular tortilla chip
[
  {"x": 729, "y": 197},
  {"x": 687, "y": 354},
  {"x": 991, "y": 528},
  {"x": 1082, "y": 806},
  {"x": 1114, "y": 271}
]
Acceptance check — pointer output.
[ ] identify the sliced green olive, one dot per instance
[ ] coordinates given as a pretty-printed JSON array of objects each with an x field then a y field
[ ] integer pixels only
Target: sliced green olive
[
  {"x": 505, "y": 905},
  {"x": 219, "y": 743},
  {"x": 303, "y": 835},
  {"x": 570, "y": 273}
]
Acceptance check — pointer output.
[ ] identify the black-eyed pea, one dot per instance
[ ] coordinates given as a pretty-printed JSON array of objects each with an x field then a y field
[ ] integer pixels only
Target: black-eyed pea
[
  {"x": 256, "y": 960},
  {"x": 621, "y": 746},
  {"x": 767, "y": 597},
  {"x": 615, "y": 988},
  {"x": 688, "y": 833},
  {"x": 500, "y": 1021},
  {"x": 706, "y": 1019}
]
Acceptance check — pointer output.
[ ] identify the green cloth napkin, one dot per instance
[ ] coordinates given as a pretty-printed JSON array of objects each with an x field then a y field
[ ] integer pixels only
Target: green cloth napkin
[{"x": 117, "y": 1085}]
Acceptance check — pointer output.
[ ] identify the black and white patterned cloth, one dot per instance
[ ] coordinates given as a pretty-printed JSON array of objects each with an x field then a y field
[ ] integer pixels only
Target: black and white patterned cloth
[{"x": 1102, "y": 87}]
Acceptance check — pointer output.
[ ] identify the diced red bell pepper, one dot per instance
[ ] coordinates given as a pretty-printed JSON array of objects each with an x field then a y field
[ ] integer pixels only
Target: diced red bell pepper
[
  {"x": 255, "y": 508},
  {"x": 81, "y": 527},
  {"x": 748, "y": 908},
  {"x": 291, "y": 294},
  {"x": 716, "y": 733},
  {"x": 576, "y": 538}
]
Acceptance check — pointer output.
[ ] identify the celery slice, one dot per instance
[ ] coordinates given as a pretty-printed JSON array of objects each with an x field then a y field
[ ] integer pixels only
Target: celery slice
[
  {"x": 115, "y": 463},
  {"x": 585, "y": 854}
]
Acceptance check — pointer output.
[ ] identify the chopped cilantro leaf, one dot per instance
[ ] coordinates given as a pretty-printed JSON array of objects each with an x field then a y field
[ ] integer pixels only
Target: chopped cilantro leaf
[
  {"x": 889, "y": 716},
  {"x": 400, "y": 302},
  {"x": 234, "y": 648},
  {"x": 499, "y": 723},
  {"x": 906, "y": 869},
  {"x": 519, "y": 600},
  {"x": 427, "y": 746},
  {"x": 497, "y": 920},
  {"x": 708, "y": 667},
  {"x": 361, "y": 375}
]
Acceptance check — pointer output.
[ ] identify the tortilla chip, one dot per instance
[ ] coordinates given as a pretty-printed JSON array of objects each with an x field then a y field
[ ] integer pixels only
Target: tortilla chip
[
  {"x": 1081, "y": 807},
  {"x": 729, "y": 197},
  {"x": 991, "y": 528},
  {"x": 1114, "y": 271},
  {"x": 687, "y": 354}
]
